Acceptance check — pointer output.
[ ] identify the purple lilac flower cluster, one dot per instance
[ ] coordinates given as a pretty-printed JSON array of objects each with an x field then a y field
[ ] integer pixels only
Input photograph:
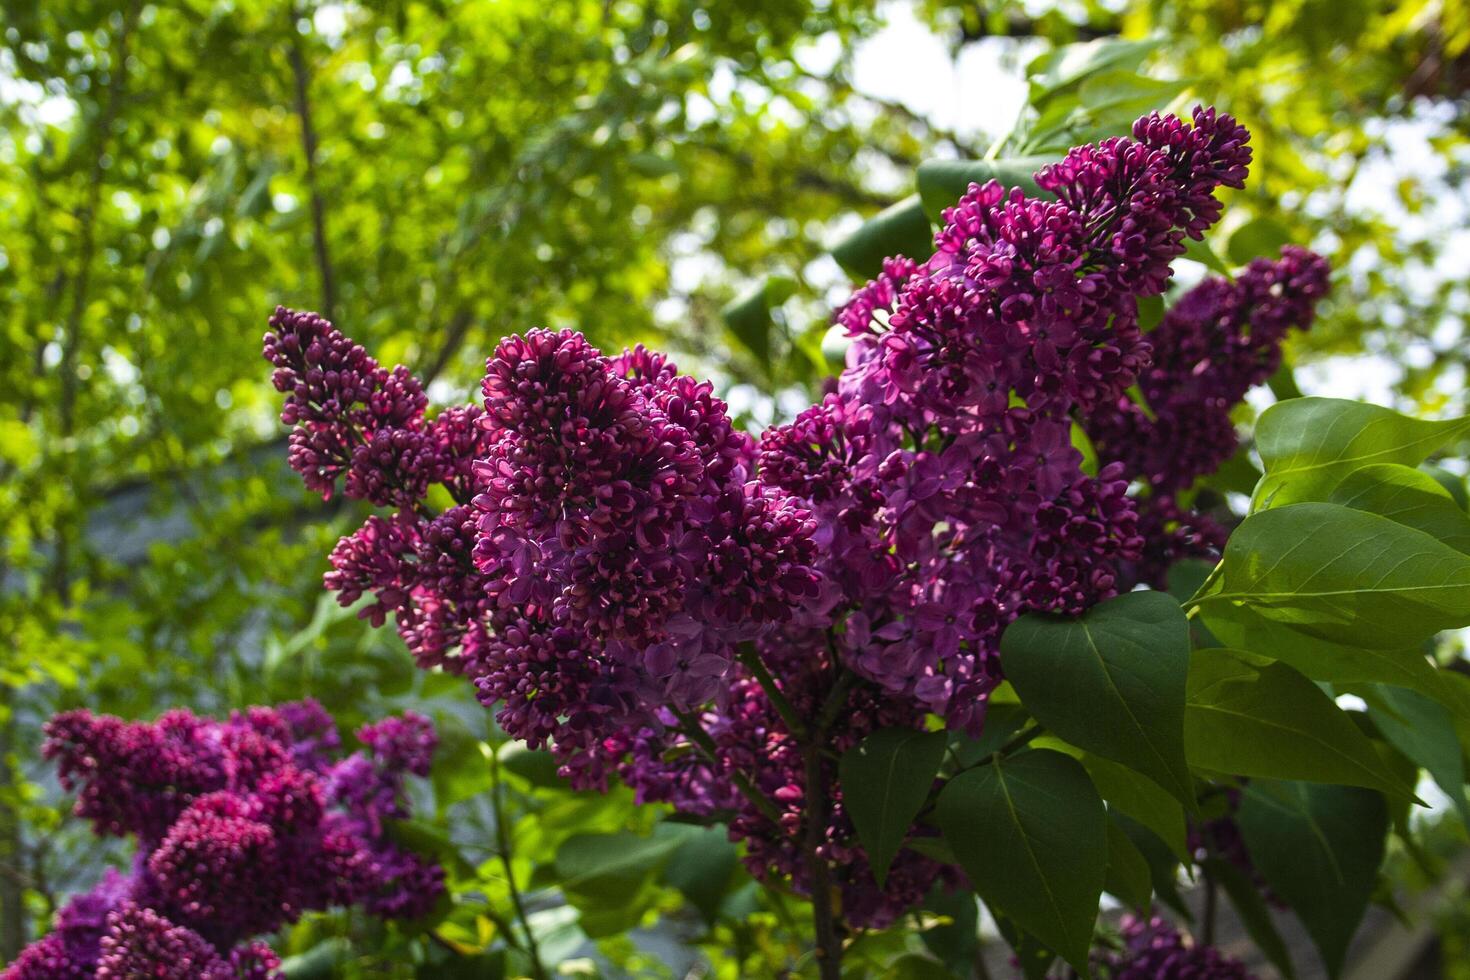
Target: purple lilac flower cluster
[
  {"x": 1216, "y": 342},
  {"x": 650, "y": 592},
  {"x": 1153, "y": 949},
  {"x": 944, "y": 466},
  {"x": 242, "y": 825}
]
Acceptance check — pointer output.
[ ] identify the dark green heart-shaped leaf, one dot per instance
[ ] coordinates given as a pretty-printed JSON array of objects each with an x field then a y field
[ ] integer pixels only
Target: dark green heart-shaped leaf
[
  {"x": 1319, "y": 847},
  {"x": 1030, "y": 832},
  {"x": 1325, "y": 661},
  {"x": 1111, "y": 681},
  {"x": 885, "y": 779}
]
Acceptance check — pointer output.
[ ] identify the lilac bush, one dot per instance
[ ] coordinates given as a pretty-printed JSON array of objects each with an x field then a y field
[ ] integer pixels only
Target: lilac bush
[
  {"x": 241, "y": 825},
  {"x": 711, "y": 617}
]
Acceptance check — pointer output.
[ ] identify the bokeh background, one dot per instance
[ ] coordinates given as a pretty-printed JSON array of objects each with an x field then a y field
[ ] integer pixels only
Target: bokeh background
[{"x": 434, "y": 174}]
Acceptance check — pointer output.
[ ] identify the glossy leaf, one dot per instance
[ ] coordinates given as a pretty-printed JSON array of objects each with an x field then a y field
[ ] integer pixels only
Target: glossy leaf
[
  {"x": 1343, "y": 575},
  {"x": 943, "y": 182},
  {"x": 1247, "y": 716},
  {"x": 1163, "y": 867},
  {"x": 749, "y": 315},
  {"x": 1323, "y": 660},
  {"x": 702, "y": 867},
  {"x": 1408, "y": 496},
  {"x": 1308, "y": 445},
  {"x": 1066, "y": 65},
  {"x": 1319, "y": 847},
  {"x": 1110, "y": 682},
  {"x": 900, "y": 229},
  {"x": 1031, "y": 834},
  {"x": 885, "y": 780}
]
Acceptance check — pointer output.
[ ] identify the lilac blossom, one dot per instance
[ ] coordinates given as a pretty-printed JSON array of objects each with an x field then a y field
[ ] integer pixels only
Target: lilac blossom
[
  {"x": 242, "y": 825},
  {"x": 620, "y": 558}
]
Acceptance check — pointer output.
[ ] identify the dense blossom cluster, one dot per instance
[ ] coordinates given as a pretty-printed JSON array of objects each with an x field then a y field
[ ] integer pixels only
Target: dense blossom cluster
[
  {"x": 634, "y": 582},
  {"x": 1153, "y": 949},
  {"x": 1215, "y": 343},
  {"x": 242, "y": 825}
]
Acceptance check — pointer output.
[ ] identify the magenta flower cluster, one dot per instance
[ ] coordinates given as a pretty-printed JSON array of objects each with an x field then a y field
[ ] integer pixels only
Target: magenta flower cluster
[
  {"x": 635, "y": 583},
  {"x": 1153, "y": 949},
  {"x": 1217, "y": 342},
  {"x": 242, "y": 825}
]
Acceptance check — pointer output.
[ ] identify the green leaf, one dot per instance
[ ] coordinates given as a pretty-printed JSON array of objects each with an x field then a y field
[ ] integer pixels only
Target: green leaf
[
  {"x": 322, "y": 961},
  {"x": 1128, "y": 878},
  {"x": 1064, "y": 66},
  {"x": 1034, "y": 957},
  {"x": 916, "y": 966},
  {"x": 1408, "y": 496},
  {"x": 1424, "y": 731},
  {"x": 1454, "y": 485},
  {"x": 1258, "y": 238},
  {"x": 536, "y": 766},
  {"x": 749, "y": 315},
  {"x": 1319, "y": 847},
  {"x": 607, "y": 877},
  {"x": 1163, "y": 867},
  {"x": 703, "y": 867},
  {"x": 944, "y": 182},
  {"x": 954, "y": 943},
  {"x": 1331, "y": 663},
  {"x": 1251, "y": 908},
  {"x": 1135, "y": 795},
  {"x": 1002, "y": 721},
  {"x": 1198, "y": 250},
  {"x": 1111, "y": 682},
  {"x": 885, "y": 780},
  {"x": 1113, "y": 99},
  {"x": 1031, "y": 834},
  {"x": 1308, "y": 445},
  {"x": 1343, "y": 575},
  {"x": 1247, "y": 716},
  {"x": 900, "y": 229}
]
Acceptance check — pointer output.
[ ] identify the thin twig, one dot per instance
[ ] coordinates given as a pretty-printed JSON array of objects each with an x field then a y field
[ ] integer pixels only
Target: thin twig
[
  {"x": 308, "y": 147},
  {"x": 502, "y": 840},
  {"x": 747, "y": 655},
  {"x": 694, "y": 731}
]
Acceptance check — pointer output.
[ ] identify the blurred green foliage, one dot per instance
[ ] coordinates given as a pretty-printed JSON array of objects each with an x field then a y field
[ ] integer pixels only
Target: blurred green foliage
[{"x": 436, "y": 173}]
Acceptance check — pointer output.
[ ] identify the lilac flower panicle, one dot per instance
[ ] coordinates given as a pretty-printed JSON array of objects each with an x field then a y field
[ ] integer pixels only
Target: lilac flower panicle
[
  {"x": 1215, "y": 343},
  {"x": 242, "y": 825},
  {"x": 617, "y": 548}
]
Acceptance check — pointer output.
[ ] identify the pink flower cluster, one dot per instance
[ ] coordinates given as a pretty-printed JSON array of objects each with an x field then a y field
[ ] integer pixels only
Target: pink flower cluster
[
  {"x": 242, "y": 825},
  {"x": 622, "y": 565}
]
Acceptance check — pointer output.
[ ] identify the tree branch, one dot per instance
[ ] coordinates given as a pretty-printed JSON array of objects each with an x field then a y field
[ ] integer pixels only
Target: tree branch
[{"x": 308, "y": 148}]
